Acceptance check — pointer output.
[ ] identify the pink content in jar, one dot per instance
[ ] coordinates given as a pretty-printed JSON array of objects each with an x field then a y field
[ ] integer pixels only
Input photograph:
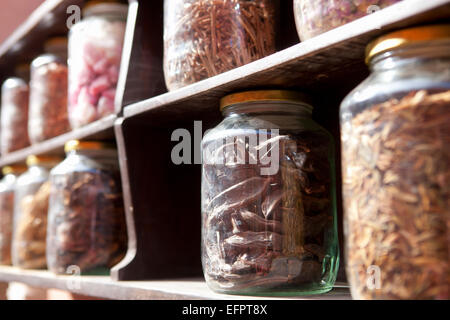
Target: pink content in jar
[{"x": 95, "y": 50}]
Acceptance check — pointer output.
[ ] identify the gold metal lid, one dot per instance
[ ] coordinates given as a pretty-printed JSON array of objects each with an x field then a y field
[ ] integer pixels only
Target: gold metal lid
[
  {"x": 263, "y": 95},
  {"x": 87, "y": 145},
  {"x": 405, "y": 37},
  {"x": 42, "y": 159},
  {"x": 15, "y": 168}
]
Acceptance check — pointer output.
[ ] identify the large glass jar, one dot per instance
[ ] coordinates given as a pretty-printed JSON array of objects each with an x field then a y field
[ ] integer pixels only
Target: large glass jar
[
  {"x": 31, "y": 196},
  {"x": 14, "y": 115},
  {"x": 396, "y": 169},
  {"x": 268, "y": 198},
  {"x": 48, "y": 93},
  {"x": 95, "y": 50},
  {"x": 314, "y": 17},
  {"x": 7, "y": 210},
  {"x": 203, "y": 38},
  {"x": 86, "y": 226}
]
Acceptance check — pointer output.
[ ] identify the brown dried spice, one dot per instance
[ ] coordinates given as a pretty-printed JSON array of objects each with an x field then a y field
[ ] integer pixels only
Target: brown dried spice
[
  {"x": 31, "y": 230},
  {"x": 6, "y": 223},
  {"x": 48, "y": 102},
  {"x": 86, "y": 221},
  {"x": 396, "y": 169},
  {"x": 204, "y": 38}
]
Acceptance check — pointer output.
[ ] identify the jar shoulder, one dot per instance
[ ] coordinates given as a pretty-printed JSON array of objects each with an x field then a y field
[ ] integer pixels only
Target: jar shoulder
[{"x": 381, "y": 86}]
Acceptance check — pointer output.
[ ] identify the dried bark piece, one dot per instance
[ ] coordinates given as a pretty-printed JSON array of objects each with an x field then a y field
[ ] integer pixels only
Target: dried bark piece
[{"x": 395, "y": 197}]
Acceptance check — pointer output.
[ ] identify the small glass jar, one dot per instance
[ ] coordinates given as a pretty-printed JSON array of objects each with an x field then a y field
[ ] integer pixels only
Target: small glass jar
[
  {"x": 86, "y": 226},
  {"x": 203, "y": 38},
  {"x": 314, "y": 17},
  {"x": 31, "y": 194},
  {"x": 7, "y": 184},
  {"x": 268, "y": 198},
  {"x": 95, "y": 51},
  {"x": 14, "y": 115},
  {"x": 48, "y": 92},
  {"x": 396, "y": 168}
]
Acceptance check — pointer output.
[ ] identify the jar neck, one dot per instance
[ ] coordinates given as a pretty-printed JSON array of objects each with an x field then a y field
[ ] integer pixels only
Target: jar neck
[
  {"x": 414, "y": 56},
  {"x": 268, "y": 108}
]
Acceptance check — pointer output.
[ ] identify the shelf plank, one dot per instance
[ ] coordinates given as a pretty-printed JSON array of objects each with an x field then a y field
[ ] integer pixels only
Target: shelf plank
[
  {"x": 316, "y": 65},
  {"x": 104, "y": 287},
  {"x": 99, "y": 130}
]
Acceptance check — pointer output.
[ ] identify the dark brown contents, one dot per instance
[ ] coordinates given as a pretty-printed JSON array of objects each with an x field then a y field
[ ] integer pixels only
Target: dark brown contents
[
  {"x": 31, "y": 230},
  {"x": 87, "y": 221},
  {"x": 397, "y": 197},
  {"x": 207, "y": 37},
  {"x": 6, "y": 225},
  {"x": 269, "y": 231},
  {"x": 48, "y": 102}
]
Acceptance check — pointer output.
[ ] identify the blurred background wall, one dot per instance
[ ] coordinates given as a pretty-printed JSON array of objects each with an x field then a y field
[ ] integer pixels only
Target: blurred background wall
[{"x": 13, "y": 13}]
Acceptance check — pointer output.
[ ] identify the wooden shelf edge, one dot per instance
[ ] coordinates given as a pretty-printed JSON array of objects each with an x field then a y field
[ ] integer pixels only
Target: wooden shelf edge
[
  {"x": 99, "y": 128},
  {"x": 105, "y": 287},
  {"x": 397, "y": 15}
]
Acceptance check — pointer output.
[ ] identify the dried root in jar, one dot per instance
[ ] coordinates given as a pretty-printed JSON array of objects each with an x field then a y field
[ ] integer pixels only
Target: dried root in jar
[
  {"x": 268, "y": 231},
  {"x": 396, "y": 168},
  {"x": 204, "y": 38}
]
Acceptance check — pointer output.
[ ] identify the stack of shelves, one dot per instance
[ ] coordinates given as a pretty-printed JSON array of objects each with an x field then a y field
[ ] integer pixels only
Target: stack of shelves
[{"x": 162, "y": 200}]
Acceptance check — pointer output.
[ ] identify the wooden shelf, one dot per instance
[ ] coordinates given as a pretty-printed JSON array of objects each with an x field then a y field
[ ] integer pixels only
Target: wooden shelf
[
  {"x": 335, "y": 58},
  {"x": 99, "y": 130},
  {"x": 161, "y": 199},
  {"x": 104, "y": 287}
]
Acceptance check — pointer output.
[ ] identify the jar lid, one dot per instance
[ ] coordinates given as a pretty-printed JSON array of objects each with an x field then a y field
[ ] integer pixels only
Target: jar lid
[
  {"x": 16, "y": 168},
  {"x": 264, "y": 95},
  {"x": 44, "y": 159},
  {"x": 406, "y": 37},
  {"x": 87, "y": 145},
  {"x": 100, "y": 7}
]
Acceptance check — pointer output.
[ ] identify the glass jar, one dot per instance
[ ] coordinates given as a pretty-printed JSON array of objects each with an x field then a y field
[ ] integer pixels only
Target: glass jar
[
  {"x": 48, "y": 93},
  {"x": 268, "y": 198},
  {"x": 396, "y": 168},
  {"x": 203, "y": 38},
  {"x": 95, "y": 50},
  {"x": 14, "y": 115},
  {"x": 86, "y": 226},
  {"x": 7, "y": 210},
  {"x": 32, "y": 192},
  {"x": 313, "y": 17}
]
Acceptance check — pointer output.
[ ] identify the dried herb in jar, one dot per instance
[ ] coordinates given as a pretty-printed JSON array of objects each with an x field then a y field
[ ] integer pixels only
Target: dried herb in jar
[
  {"x": 6, "y": 225},
  {"x": 268, "y": 231},
  {"x": 396, "y": 168},
  {"x": 203, "y": 38},
  {"x": 31, "y": 230},
  {"x": 87, "y": 221}
]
